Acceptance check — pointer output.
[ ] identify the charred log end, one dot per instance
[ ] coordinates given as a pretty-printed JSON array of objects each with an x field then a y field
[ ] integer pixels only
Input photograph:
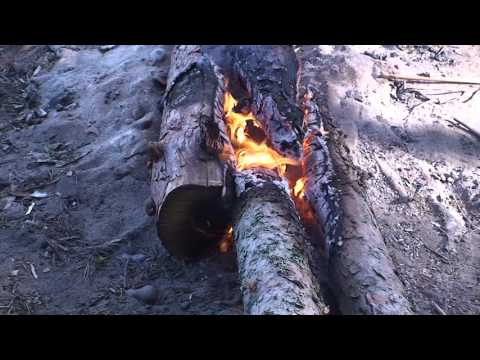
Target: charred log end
[{"x": 192, "y": 220}]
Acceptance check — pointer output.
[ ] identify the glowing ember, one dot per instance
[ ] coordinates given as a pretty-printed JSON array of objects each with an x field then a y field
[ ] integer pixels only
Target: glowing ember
[
  {"x": 227, "y": 241},
  {"x": 249, "y": 153}
]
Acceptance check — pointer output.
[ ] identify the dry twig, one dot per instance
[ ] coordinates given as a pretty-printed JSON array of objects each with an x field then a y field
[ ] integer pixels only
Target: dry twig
[{"x": 427, "y": 80}]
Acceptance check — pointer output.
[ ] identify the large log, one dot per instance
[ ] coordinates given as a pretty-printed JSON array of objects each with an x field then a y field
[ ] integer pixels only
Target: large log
[
  {"x": 361, "y": 271},
  {"x": 272, "y": 249},
  {"x": 189, "y": 184}
]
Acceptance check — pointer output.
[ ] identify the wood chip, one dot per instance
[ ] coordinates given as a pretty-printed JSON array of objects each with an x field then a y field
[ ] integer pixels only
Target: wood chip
[
  {"x": 39, "y": 195},
  {"x": 14, "y": 272},
  {"x": 30, "y": 208},
  {"x": 34, "y": 272}
]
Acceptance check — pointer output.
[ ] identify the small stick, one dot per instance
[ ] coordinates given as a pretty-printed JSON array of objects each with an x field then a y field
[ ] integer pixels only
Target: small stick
[
  {"x": 125, "y": 273},
  {"x": 427, "y": 80},
  {"x": 461, "y": 125},
  {"x": 55, "y": 245},
  {"x": 74, "y": 160},
  {"x": 444, "y": 258},
  {"x": 471, "y": 96},
  {"x": 438, "y": 308}
]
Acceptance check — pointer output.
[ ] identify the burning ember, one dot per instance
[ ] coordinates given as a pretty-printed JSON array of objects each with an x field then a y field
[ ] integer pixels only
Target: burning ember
[
  {"x": 249, "y": 142},
  {"x": 227, "y": 241},
  {"x": 298, "y": 189}
]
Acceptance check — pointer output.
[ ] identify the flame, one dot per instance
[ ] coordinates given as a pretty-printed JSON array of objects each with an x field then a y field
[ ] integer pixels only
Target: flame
[
  {"x": 250, "y": 154},
  {"x": 227, "y": 241},
  {"x": 257, "y": 154},
  {"x": 299, "y": 188}
]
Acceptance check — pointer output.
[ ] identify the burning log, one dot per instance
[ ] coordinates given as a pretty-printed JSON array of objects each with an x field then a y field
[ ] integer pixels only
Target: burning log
[
  {"x": 272, "y": 247},
  {"x": 189, "y": 183},
  {"x": 271, "y": 244},
  {"x": 360, "y": 269}
]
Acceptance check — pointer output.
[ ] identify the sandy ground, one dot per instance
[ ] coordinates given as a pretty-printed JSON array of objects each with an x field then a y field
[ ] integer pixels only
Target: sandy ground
[
  {"x": 88, "y": 241},
  {"x": 74, "y": 123},
  {"x": 420, "y": 173}
]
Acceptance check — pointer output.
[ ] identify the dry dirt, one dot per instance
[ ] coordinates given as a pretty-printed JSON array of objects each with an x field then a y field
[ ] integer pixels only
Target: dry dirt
[{"x": 74, "y": 123}]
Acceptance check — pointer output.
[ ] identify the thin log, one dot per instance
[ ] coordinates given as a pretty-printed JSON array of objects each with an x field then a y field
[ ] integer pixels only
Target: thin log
[
  {"x": 189, "y": 185},
  {"x": 361, "y": 271},
  {"x": 272, "y": 253}
]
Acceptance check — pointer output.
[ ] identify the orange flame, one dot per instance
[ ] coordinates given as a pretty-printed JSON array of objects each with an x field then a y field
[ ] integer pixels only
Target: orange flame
[
  {"x": 257, "y": 154},
  {"x": 227, "y": 241},
  {"x": 250, "y": 154},
  {"x": 299, "y": 188}
]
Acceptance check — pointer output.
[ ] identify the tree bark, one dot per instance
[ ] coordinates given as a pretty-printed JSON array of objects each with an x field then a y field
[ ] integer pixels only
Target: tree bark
[
  {"x": 271, "y": 244},
  {"x": 190, "y": 186},
  {"x": 361, "y": 271}
]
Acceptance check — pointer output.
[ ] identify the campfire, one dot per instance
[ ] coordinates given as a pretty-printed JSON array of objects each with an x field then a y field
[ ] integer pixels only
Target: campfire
[{"x": 230, "y": 169}]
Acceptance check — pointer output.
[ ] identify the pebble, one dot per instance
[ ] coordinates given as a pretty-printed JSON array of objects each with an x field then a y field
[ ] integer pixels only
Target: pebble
[
  {"x": 160, "y": 79},
  {"x": 138, "y": 258},
  {"x": 144, "y": 122},
  {"x": 106, "y": 48},
  {"x": 43, "y": 245},
  {"x": 4, "y": 183},
  {"x": 139, "y": 112},
  {"x": 146, "y": 294},
  {"x": 157, "y": 56},
  {"x": 41, "y": 113},
  {"x": 14, "y": 211}
]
